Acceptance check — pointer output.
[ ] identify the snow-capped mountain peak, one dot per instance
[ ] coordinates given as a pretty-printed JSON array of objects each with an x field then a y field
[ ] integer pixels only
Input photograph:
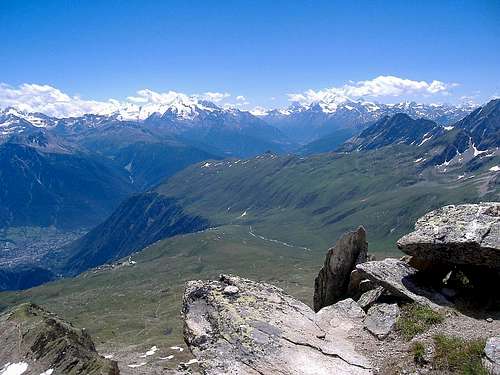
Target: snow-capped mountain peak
[
  {"x": 36, "y": 119},
  {"x": 336, "y": 105},
  {"x": 182, "y": 106}
]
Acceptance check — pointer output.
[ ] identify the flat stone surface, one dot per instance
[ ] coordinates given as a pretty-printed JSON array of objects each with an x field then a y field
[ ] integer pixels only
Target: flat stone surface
[
  {"x": 338, "y": 321},
  {"x": 381, "y": 319},
  {"x": 261, "y": 330},
  {"x": 399, "y": 279},
  {"x": 467, "y": 234}
]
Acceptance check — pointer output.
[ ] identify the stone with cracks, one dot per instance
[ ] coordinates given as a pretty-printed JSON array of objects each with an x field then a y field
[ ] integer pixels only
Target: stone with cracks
[
  {"x": 467, "y": 234},
  {"x": 261, "y": 330}
]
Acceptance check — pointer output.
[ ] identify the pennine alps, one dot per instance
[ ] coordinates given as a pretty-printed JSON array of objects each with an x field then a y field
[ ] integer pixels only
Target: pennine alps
[{"x": 294, "y": 188}]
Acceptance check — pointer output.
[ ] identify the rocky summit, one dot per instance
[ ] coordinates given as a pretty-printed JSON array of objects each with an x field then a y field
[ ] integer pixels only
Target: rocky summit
[
  {"x": 467, "y": 234},
  {"x": 237, "y": 326},
  {"x": 390, "y": 316}
]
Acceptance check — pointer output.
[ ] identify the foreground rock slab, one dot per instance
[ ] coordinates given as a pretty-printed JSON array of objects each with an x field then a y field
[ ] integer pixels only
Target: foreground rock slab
[
  {"x": 332, "y": 283},
  {"x": 261, "y": 330},
  {"x": 36, "y": 341},
  {"x": 467, "y": 234},
  {"x": 399, "y": 279}
]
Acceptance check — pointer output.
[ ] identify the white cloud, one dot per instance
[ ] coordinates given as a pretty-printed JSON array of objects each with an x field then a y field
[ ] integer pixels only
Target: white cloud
[
  {"x": 214, "y": 96},
  {"x": 381, "y": 86},
  {"x": 53, "y": 102},
  {"x": 258, "y": 111},
  {"x": 241, "y": 98}
]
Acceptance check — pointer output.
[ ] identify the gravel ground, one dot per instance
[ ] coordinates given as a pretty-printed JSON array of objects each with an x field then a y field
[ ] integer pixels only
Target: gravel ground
[{"x": 392, "y": 355}]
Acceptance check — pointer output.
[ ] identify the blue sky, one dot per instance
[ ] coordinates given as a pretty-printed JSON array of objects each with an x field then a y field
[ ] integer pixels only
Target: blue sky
[{"x": 262, "y": 50}]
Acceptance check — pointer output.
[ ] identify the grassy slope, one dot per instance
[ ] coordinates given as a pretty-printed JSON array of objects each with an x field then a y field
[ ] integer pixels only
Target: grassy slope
[
  {"x": 304, "y": 202},
  {"x": 309, "y": 201},
  {"x": 135, "y": 305}
]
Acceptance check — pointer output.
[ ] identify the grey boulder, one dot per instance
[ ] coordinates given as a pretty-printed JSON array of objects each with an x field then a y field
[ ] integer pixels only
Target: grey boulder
[
  {"x": 381, "y": 319},
  {"x": 467, "y": 234},
  {"x": 262, "y": 330}
]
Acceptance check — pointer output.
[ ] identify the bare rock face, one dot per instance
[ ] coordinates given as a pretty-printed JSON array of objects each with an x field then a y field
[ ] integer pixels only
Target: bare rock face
[
  {"x": 467, "y": 234},
  {"x": 261, "y": 330},
  {"x": 381, "y": 319},
  {"x": 369, "y": 297},
  {"x": 399, "y": 279},
  {"x": 37, "y": 341},
  {"x": 332, "y": 283},
  {"x": 492, "y": 355}
]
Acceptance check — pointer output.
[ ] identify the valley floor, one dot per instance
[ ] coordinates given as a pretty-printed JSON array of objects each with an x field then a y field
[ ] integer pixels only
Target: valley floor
[
  {"x": 134, "y": 305},
  {"x": 22, "y": 246}
]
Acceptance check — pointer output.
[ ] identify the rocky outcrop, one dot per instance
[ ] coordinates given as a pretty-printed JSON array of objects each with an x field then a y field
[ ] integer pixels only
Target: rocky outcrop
[
  {"x": 237, "y": 326},
  {"x": 467, "y": 234},
  {"x": 400, "y": 279},
  {"x": 39, "y": 342},
  {"x": 332, "y": 283}
]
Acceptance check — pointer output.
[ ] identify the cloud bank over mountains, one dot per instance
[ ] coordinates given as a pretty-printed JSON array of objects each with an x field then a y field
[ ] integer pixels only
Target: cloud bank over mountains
[
  {"x": 379, "y": 87},
  {"x": 31, "y": 97}
]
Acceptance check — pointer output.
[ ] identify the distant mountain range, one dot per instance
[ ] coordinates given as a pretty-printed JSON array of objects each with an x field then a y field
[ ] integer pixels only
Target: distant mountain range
[
  {"x": 307, "y": 123},
  {"x": 75, "y": 171},
  {"x": 203, "y": 121},
  {"x": 474, "y": 135},
  {"x": 305, "y": 200}
]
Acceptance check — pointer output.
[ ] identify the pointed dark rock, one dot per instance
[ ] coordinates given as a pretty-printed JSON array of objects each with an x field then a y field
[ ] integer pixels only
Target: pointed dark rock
[{"x": 332, "y": 283}]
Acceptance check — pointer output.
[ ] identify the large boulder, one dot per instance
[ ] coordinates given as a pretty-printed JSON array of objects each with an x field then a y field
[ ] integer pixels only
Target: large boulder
[
  {"x": 400, "y": 280},
  {"x": 467, "y": 234},
  {"x": 332, "y": 283},
  {"x": 237, "y": 326},
  {"x": 35, "y": 341}
]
